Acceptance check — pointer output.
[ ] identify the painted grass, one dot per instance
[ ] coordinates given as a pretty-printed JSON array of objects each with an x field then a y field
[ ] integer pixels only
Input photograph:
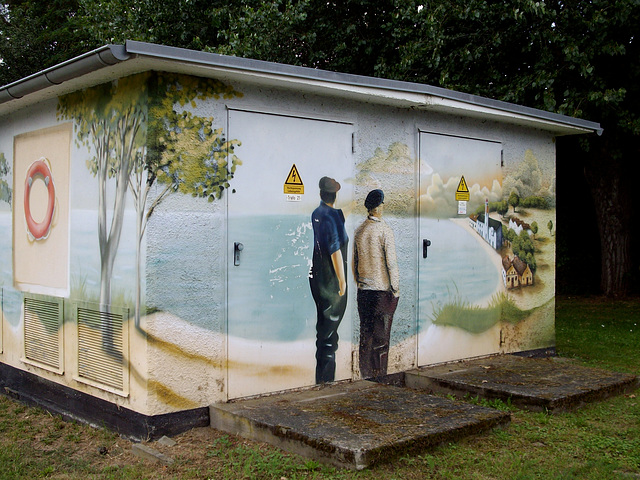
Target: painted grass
[
  {"x": 475, "y": 319},
  {"x": 600, "y": 441},
  {"x": 119, "y": 296}
]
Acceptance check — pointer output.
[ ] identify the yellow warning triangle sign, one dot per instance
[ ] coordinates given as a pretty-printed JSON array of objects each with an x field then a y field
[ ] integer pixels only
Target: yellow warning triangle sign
[
  {"x": 293, "y": 184},
  {"x": 294, "y": 177},
  {"x": 462, "y": 186}
]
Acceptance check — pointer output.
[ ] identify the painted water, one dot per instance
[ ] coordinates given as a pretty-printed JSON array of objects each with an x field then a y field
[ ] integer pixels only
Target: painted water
[
  {"x": 459, "y": 268},
  {"x": 269, "y": 292},
  {"x": 85, "y": 255},
  {"x": 84, "y": 259},
  {"x": 11, "y": 299},
  {"x": 269, "y": 296}
]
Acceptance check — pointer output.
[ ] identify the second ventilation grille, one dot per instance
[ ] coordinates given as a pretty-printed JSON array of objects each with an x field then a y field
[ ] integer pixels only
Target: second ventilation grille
[{"x": 103, "y": 347}]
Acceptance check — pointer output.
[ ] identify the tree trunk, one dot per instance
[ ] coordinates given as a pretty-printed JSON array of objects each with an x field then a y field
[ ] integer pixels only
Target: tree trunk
[
  {"x": 140, "y": 204},
  {"x": 106, "y": 270},
  {"x": 609, "y": 188}
]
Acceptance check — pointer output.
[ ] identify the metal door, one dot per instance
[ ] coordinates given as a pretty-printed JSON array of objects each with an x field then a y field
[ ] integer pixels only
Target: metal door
[
  {"x": 271, "y": 313},
  {"x": 459, "y": 270}
]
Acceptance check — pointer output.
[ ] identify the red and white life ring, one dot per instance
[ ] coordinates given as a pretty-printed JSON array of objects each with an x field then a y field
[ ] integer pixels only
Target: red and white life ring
[{"x": 39, "y": 230}]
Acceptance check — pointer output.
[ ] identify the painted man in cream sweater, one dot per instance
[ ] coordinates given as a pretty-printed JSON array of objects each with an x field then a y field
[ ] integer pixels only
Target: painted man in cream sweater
[{"x": 376, "y": 274}]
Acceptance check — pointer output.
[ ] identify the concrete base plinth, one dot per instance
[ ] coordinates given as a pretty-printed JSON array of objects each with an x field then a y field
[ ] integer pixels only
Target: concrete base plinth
[
  {"x": 354, "y": 425},
  {"x": 551, "y": 384}
]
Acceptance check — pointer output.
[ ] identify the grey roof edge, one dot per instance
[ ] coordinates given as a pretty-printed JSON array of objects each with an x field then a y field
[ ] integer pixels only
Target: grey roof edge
[
  {"x": 75, "y": 67},
  {"x": 278, "y": 69},
  {"x": 112, "y": 54}
]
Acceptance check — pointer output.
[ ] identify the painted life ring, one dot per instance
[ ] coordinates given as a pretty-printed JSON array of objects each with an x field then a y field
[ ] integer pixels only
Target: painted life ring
[{"x": 40, "y": 230}]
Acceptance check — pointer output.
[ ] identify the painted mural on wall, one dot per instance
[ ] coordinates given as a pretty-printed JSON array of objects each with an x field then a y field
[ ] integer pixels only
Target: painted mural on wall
[
  {"x": 41, "y": 172},
  {"x": 273, "y": 329},
  {"x": 487, "y": 283},
  {"x": 272, "y": 315},
  {"x": 328, "y": 277},
  {"x": 143, "y": 149},
  {"x": 5, "y": 225},
  {"x": 138, "y": 139},
  {"x": 144, "y": 140}
]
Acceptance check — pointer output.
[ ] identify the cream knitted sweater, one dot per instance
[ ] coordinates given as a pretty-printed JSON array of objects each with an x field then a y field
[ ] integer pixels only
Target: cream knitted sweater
[{"x": 374, "y": 257}]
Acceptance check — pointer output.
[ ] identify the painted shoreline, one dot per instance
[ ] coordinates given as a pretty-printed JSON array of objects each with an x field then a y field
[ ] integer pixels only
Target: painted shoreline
[
  {"x": 526, "y": 298},
  {"x": 492, "y": 254},
  {"x": 441, "y": 344}
]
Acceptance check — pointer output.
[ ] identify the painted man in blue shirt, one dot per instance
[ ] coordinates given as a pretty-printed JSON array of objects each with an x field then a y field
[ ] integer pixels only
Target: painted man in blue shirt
[{"x": 328, "y": 277}]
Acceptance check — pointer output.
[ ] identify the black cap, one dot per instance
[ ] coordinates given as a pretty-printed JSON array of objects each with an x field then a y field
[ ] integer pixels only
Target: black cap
[
  {"x": 329, "y": 185},
  {"x": 375, "y": 198}
]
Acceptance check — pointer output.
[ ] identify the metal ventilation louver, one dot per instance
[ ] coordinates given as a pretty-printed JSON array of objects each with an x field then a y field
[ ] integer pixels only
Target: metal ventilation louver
[
  {"x": 102, "y": 346},
  {"x": 43, "y": 318}
]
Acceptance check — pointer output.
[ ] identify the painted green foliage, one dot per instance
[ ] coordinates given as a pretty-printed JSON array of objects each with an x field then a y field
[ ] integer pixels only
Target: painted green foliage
[
  {"x": 184, "y": 150},
  {"x": 5, "y": 189},
  {"x": 141, "y": 133},
  {"x": 387, "y": 167}
]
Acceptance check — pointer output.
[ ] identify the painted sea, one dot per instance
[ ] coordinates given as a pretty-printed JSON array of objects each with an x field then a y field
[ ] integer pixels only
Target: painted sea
[
  {"x": 268, "y": 294},
  {"x": 10, "y": 298},
  {"x": 84, "y": 260},
  {"x": 458, "y": 268},
  {"x": 269, "y": 297}
]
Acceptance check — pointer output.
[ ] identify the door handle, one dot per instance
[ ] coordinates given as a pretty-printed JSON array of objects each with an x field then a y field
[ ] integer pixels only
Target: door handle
[
  {"x": 237, "y": 248},
  {"x": 425, "y": 244}
]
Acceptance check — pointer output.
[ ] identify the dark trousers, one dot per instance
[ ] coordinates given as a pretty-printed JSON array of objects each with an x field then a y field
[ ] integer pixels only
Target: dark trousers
[
  {"x": 330, "y": 310},
  {"x": 376, "y": 309}
]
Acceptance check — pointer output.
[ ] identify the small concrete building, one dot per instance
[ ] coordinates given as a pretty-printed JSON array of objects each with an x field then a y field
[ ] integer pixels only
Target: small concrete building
[{"x": 157, "y": 237}]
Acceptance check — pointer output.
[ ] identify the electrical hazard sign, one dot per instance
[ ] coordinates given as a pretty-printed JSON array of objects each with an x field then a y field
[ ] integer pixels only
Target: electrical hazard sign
[
  {"x": 462, "y": 192},
  {"x": 293, "y": 184}
]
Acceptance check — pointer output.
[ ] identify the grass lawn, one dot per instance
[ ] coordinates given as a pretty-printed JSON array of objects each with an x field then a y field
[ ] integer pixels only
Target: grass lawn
[{"x": 599, "y": 441}]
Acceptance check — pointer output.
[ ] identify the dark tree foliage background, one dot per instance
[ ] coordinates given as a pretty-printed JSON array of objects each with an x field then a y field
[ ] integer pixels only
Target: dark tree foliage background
[
  {"x": 38, "y": 34},
  {"x": 575, "y": 57}
]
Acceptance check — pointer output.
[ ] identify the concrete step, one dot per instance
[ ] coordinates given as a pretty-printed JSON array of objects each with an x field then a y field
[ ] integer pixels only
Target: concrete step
[
  {"x": 552, "y": 384},
  {"x": 356, "y": 424}
]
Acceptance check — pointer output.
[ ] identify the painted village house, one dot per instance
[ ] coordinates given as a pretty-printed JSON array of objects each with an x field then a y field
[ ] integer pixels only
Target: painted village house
[
  {"x": 488, "y": 228},
  {"x": 156, "y": 228},
  {"x": 516, "y": 273},
  {"x": 518, "y": 226}
]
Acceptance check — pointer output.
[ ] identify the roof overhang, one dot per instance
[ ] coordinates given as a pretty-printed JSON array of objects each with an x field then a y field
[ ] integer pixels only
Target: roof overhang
[{"x": 114, "y": 61}]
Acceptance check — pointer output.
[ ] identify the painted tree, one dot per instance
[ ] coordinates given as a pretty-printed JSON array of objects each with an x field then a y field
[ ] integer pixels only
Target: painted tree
[
  {"x": 141, "y": 133},
  {"x": 503, "y": 208},
  {"x": 526, "y": 179},
  {"x": 184, "y": 153},
  {"x": 110, "y": 120},
  {"x": 514, "y": 200},
  {"x": 5, "y": 189},
  {"x": 523, "y": 247}
]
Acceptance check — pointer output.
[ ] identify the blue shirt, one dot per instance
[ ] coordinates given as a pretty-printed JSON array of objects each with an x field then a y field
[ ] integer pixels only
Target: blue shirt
[{"x": 329, "y": 236}]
